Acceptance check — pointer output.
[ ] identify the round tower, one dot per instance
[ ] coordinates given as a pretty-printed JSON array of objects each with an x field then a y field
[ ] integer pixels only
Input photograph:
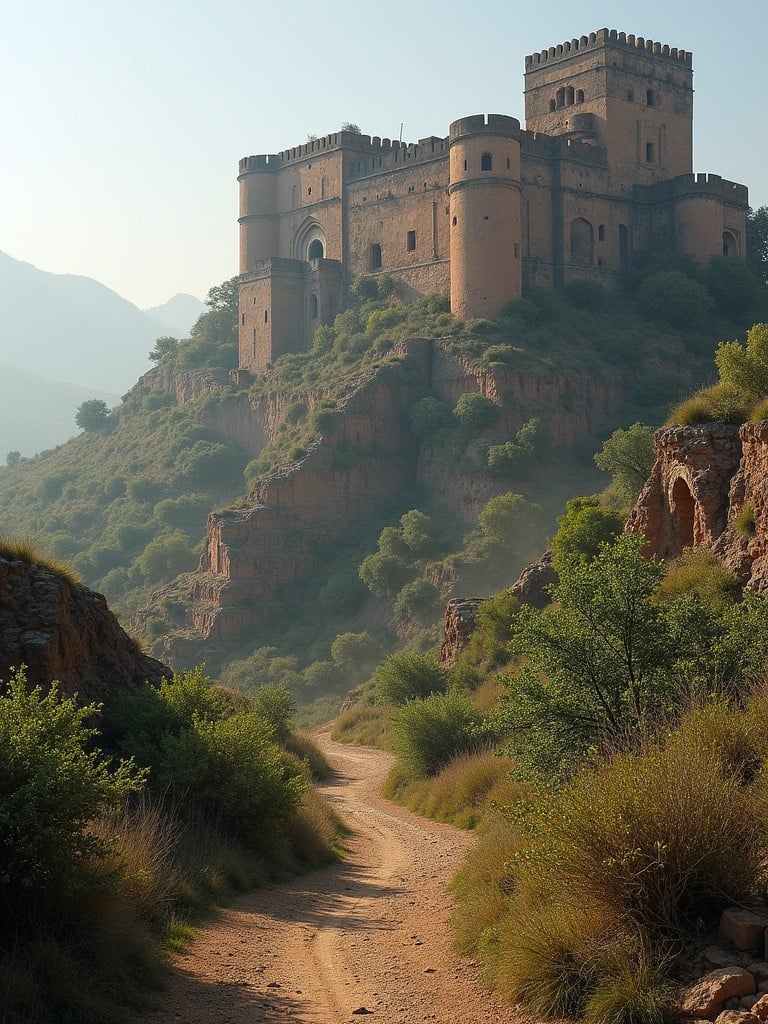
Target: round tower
[
  {"x": 486, "y": 238},
  {"x": 258, "y": 207}
]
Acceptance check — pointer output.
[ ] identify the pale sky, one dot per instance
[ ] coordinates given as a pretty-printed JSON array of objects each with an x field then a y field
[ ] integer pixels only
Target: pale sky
[{"x": 121, "y": 124}]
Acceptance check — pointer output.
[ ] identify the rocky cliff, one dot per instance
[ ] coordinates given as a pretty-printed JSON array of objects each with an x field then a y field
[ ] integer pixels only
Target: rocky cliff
[
  {"x": 65, "y": 632},
  {"x": 261, "y": 552},
  {"x": 709, "y": 488}
]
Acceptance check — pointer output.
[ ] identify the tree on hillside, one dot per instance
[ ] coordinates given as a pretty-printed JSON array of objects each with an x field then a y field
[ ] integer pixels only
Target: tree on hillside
[
  {"x": 757, "y": 242},
  {"x": 598, "y": 658},
  {"x": 165, "y": 347},
  {"x": 628, "y": 456},
  {"x": 213, "y": 338},
  {"x": 91, "y": 415}
]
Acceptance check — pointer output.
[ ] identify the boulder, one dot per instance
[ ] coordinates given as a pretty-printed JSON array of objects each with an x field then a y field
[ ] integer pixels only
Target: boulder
[
  {"x": 743, "y": 929},
  {"x": 707, "y": 997}
]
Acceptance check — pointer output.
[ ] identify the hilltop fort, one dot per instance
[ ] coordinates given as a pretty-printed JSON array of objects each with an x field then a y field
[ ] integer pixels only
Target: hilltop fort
[{"x": 601, "y": 173}]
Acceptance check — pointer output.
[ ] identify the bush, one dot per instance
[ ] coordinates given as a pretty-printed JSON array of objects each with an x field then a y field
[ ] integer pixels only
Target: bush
[
  {"x": 675, "y": 298},
  {"x": 277, "y": 707},
  {"x": 407, "y": 675},
  {"x": 585, "y": 294},
  {"x": 416, "y": 601},
  {"x": 744, "y": 521},
  {"x": 232, "y": 771},
  {"x": 584, "y": 528},
  {"x": 474, "y": 411},
  {"x": 428, "y": 416},
  {"x": 428, "y": 733},
  {"x": 628, "y": 455},
  {"x": 720, "y": 403},
  {"x": 51, "y": 788},
  {"x": 382, "y": 574}
]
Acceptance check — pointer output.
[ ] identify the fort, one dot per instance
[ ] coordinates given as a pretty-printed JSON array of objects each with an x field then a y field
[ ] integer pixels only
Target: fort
[{"x": 602, "y": 173}]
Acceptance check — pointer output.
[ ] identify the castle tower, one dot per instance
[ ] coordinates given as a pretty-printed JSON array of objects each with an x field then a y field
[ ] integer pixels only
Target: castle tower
[
  {"x": 485, "y": 233},
  {"x": 639, "y": 94},
  {"x": 258, "y": 210}
]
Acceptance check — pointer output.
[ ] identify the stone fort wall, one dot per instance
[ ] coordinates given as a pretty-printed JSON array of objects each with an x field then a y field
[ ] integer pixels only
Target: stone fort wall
[{"x": 602, "y": 172}]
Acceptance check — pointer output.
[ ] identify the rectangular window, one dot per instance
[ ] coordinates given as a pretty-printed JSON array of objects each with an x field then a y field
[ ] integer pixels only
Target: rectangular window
[
  {"x": 650, "y": 153},
  {"x": 650, "y": 99},
  {"x": 411, "y": 243}
]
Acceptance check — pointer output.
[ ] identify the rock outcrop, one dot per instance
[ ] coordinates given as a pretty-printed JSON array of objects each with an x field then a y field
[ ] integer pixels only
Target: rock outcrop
[
  {"x": 460, "y": 623},
  {"x": 66, "y": 633},
  {"x": 260, "y": 553},
  {"x": 709, "y": 488}
]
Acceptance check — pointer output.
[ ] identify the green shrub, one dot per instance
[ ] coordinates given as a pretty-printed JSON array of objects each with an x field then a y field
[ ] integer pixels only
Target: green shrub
[
  {"x": 585, "y": 294},
  {"x": 628, "y": 455},
  {"x": 675, "y": 298},
  {"x": 720, "y": 403},
  {"x": 51, "y": 787},
  {"x": 416, "y": 601},
  {"x": 584, "y": 528},
  {"x": 474, "y": 411},
  {"x": 277, "y": 707},
  {"x": 744, "y": 521},
  {"x": 428, "y": 733},
  {"x": 698, "y": 571},
  {"x": 404, "y": 676},
  {"x": 382, "y": 574},
  {"x": 236, "y": 775},
  {"x": 428, "y": 416}
]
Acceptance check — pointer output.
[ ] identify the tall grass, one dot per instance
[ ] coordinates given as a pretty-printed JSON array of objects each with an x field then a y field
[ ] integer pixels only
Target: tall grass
[
  {"x": 461, "y": 793},
  {"x": 26, "y": 550},
  {"x": 579, "y": 901}
]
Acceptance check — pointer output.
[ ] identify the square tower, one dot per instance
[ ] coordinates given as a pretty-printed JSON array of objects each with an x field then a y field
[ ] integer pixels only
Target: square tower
[{"x": 637, "y": 95}]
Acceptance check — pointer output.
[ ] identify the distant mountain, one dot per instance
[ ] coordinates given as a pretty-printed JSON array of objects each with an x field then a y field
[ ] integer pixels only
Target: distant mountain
[
  {"x": 38, "y": 413},
  {"x": 179, "y": 313},
  {"x": 72, "y": 328}
]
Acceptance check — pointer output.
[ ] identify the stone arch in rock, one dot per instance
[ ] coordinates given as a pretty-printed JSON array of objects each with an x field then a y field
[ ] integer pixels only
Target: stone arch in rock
[{"x": 682, "y": 507}]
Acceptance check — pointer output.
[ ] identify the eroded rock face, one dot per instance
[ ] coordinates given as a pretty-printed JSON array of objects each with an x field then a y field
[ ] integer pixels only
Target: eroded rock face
[
  {"x": 532, "y": 585},
  {"x": 66, "y": 633},
  {"x": 709, "y": 488},
  {"x": 460, "y": 622},
  {"x": 685, "y": 501}
]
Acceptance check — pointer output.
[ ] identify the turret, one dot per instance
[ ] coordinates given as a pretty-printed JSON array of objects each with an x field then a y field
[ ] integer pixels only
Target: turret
[
  {"x": 258, "y": 209},
  {"x": 484, "y": 192}
]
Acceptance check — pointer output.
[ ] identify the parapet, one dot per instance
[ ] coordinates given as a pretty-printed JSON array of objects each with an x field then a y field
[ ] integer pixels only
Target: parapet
[
  {"x": 485, "y": 124},
  {"x": 253, "y": 164},
  {"x": 603, "y": 37},
  {"x": 695, "y": 184}
]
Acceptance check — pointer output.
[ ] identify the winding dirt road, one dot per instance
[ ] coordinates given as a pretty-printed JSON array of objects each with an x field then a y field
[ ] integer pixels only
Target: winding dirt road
[{"x": 365, "y": 937}]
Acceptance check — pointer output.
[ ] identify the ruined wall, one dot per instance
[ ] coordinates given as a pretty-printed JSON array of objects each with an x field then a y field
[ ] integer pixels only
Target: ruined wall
[{"x": 709, "y": 488}]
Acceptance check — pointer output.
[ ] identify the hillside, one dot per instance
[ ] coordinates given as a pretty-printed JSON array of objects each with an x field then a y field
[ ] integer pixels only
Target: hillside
[{"x": 338, "y": 444}]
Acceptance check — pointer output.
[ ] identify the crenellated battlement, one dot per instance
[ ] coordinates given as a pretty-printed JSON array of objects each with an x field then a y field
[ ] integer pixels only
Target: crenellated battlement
[
  {"x": 366, "y": 145},
  {"x": 599, "y": 175},
  {"x": 603, "y": 37},
  {"x": 696, "y": 184},
  {"x": 385, "y": 155},
  {"x": 549, "y": 147},
  {"x": 484, "y": 124}
]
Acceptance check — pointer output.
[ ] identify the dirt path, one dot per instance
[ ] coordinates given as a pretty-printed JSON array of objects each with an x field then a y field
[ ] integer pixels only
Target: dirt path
[{"x": 366, "y": 937}]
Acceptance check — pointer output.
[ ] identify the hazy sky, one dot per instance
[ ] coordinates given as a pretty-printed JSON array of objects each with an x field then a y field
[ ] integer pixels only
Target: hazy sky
[{"x": 122, "y": 123}]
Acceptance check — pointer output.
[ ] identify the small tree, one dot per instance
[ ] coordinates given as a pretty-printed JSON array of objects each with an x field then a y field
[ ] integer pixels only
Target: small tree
[
  {"x": 13, "y": 459},
  {"x": 51, "y": 787},
  {"x": 474, "y": 411},
  {"x": 91, "y": 415},
  {"x": 599, "y": 659},
  {"x": 165, "y": 347},
  {"x": 628, "y": 456}
]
